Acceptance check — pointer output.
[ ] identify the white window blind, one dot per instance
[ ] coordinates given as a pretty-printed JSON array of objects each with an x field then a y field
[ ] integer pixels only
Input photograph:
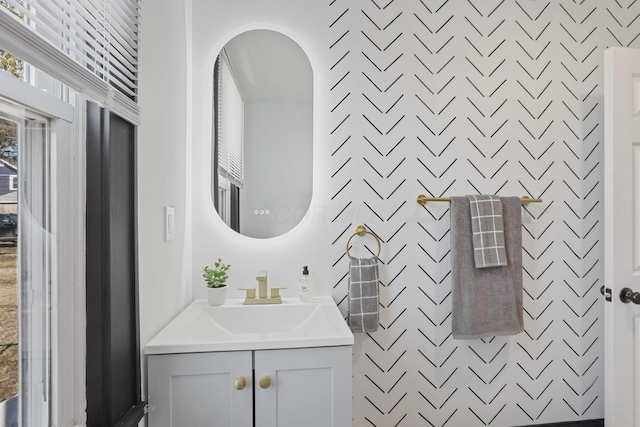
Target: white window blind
[
  {"x": 90, "y": 45},
  {"x": 230, "y": 125}
]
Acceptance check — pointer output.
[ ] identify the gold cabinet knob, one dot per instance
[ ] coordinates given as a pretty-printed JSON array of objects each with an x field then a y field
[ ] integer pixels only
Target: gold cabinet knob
[
  {"x": 240, "y": 383},
  {"x": 265, "y": 382}
]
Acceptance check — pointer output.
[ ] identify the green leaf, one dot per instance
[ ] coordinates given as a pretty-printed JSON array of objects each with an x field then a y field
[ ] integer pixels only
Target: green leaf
[{"x": 216, "y": 277}]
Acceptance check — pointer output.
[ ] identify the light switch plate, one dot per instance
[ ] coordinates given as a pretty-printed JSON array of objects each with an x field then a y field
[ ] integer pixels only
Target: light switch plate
[{"x": 169, "y": 223}]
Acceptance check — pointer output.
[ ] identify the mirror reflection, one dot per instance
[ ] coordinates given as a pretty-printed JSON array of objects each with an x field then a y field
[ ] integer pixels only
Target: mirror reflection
[{"x": 263, "y": 115}]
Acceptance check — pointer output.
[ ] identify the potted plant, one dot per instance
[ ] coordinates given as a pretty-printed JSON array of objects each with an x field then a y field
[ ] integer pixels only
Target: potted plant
[{"x": 216, "y": 279}]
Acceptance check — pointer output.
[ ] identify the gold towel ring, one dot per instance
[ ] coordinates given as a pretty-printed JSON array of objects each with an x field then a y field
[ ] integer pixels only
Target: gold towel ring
[{"x": 361, "y": 231}]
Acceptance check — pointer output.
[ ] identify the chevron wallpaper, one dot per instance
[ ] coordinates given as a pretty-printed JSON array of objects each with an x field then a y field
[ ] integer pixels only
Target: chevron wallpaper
[{"x": 452, "y": 97}]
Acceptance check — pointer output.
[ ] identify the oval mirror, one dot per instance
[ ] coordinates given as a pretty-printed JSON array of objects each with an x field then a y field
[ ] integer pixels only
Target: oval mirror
[{"x": 263, "y": 139}]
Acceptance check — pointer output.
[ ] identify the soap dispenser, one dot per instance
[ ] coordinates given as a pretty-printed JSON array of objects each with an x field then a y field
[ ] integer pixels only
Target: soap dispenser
[{"x": 306, "y": 285}]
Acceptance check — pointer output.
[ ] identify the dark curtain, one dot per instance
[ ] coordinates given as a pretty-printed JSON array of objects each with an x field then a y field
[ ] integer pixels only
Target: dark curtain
[
  {"x": 235, "y": 208},
  {"x": 113, "y": 354}
]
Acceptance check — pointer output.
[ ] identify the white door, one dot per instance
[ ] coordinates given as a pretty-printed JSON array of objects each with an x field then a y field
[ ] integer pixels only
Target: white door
[{"x": 622, "y": 237}]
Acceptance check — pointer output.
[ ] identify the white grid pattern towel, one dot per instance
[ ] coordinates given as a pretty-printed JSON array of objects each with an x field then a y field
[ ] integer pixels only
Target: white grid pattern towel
[
  {"x": 363, "y": 295},
  {"x": 487, "y": 227}
]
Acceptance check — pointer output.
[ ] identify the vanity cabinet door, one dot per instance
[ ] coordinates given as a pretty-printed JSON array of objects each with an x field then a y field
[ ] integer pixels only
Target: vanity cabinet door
[
  {"x": 197, "y": 390},
  {"x": 310, "y": 387}
]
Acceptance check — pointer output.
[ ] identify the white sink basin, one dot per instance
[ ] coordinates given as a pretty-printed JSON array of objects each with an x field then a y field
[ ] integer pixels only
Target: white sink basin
[
  {"x": 234, "y": 326},
  {"x": 241, "y": 319}
]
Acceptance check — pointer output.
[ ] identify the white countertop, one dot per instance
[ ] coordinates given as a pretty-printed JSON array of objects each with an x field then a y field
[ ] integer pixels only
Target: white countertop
[{"x": 234, "y": 326}]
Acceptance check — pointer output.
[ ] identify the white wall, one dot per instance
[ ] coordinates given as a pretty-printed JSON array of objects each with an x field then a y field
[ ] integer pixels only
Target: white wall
[
  {"x": 163, "y": 147},
  {"x": 278, "y": 161}
]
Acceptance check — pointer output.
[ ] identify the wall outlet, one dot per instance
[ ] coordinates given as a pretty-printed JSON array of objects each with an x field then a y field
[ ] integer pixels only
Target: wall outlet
[{"x": 169, "y": 223}]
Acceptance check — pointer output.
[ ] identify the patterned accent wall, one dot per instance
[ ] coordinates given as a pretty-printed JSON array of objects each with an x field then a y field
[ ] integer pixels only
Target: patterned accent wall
[{"x": 454, "y": 97}]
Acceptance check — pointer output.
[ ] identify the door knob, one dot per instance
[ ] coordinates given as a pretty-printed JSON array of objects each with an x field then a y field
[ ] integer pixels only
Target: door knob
[
  {"x": 240, "y": 383},
  {"x": 627, "y": 295},
  {"x": 265, "y": 382}
]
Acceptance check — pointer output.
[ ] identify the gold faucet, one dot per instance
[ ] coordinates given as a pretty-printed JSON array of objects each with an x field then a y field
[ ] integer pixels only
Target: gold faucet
[
  {"x": 262, "y": 283},
  {"x": 262, "y": 297}
]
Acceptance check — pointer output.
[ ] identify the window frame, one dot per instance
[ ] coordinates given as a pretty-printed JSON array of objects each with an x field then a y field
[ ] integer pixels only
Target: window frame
[{"x": 68, "y": 195}]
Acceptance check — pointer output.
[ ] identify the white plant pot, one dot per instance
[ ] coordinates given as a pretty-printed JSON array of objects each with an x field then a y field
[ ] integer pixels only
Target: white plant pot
[{"x": 217, "y": 296}]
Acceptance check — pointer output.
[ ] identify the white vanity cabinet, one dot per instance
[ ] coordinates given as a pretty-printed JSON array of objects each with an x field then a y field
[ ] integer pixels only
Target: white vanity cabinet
[{"x": 309, "y": 387}]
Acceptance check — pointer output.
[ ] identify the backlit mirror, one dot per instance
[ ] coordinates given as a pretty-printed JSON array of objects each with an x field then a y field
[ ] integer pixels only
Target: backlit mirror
[{"x": 263, "y": 136}]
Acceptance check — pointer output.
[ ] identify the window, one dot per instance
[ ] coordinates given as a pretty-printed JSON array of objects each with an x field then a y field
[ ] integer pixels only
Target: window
[
  {"x": 228, "y": 161},
  {"x": 35, "y": 282},
  {"x": 230, "y": 125},
  {"x": 224, "y": 200},
  {"x": 50, "y": 263},
  {"x": 91, "y": 46}
]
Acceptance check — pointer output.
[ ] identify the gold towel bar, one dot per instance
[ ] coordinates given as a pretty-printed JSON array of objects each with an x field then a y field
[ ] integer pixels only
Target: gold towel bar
[
  {"x": 361, "y": 230},
  {"x": 422, "y": 199}
]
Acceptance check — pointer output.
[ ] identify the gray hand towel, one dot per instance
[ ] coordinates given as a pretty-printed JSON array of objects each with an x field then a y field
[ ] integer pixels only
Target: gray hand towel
[
  {"x": 363, "y": 295},
  {"x": 485, "y": 301},
  {"x": 488, "y": 231}
]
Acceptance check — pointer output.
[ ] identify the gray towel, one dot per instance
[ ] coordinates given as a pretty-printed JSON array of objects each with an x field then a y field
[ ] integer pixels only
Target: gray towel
[
  {"x": 488, "y": 231},
  {"x": 485, "y": 301},
  {"x": 363, "y": 295}
]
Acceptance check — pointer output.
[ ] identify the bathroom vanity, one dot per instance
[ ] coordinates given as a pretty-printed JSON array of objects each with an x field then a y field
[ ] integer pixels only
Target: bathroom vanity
[{"x": 239, "y": 366}]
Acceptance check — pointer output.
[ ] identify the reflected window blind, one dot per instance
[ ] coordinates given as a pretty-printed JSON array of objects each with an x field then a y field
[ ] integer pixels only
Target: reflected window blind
[
  {"x": 230, "y": 125},
  {"x": 90, "y": 45}
]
